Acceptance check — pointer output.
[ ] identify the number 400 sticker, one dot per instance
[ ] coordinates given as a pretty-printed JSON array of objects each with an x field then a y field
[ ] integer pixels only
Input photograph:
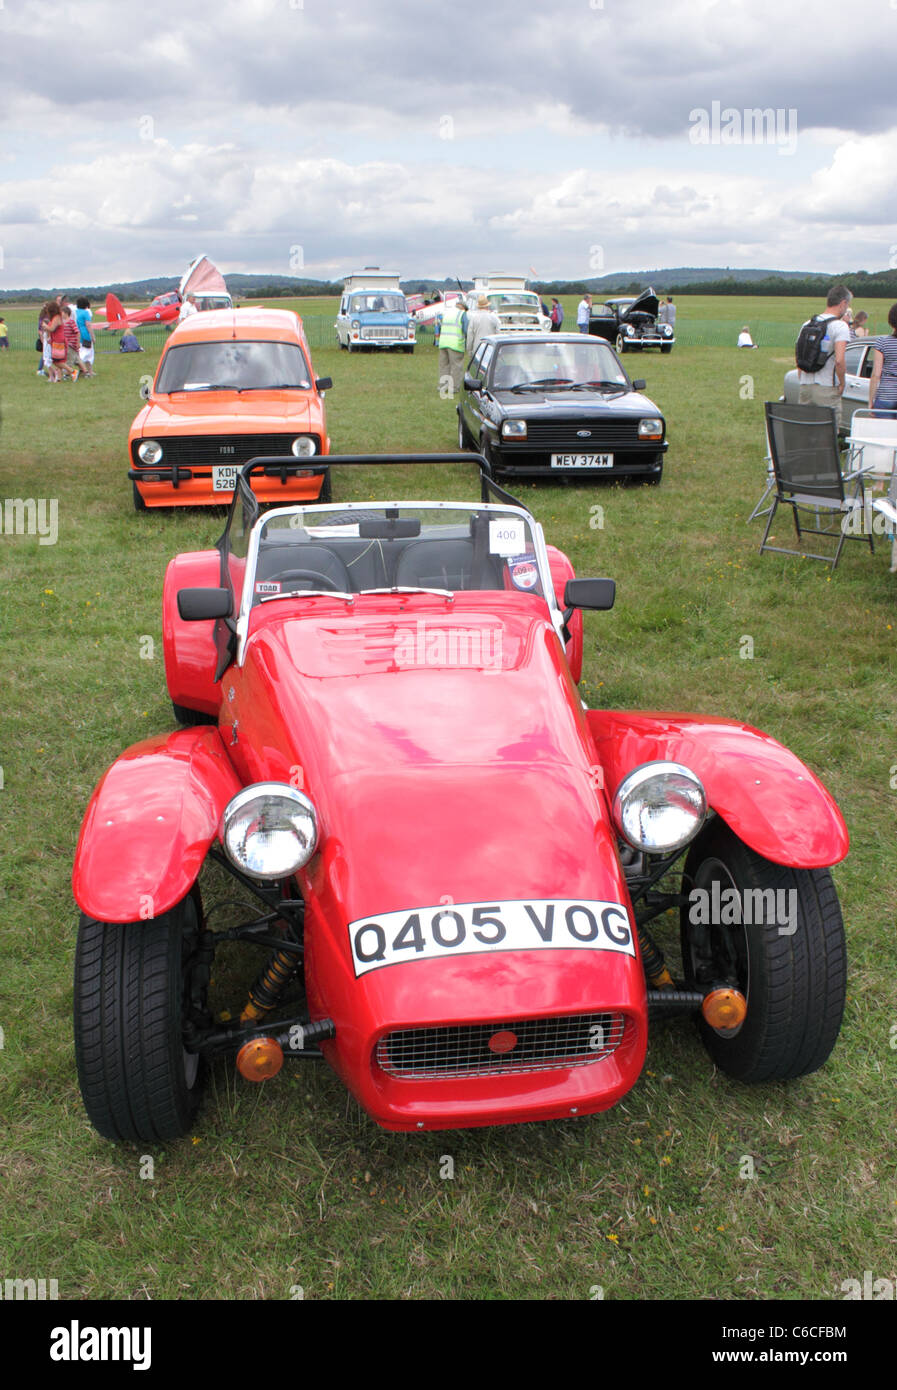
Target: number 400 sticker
[{"x": 394, "y": 938}]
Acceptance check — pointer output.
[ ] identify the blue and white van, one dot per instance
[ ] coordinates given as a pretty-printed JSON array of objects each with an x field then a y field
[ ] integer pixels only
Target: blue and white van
[{"x": 373, "y": 313}]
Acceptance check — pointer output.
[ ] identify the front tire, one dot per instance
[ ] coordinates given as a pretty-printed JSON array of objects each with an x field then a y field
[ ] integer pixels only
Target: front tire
[
  {"x": 790, "y": 965},
  {"x": 132, "y": 991},
  {"x": 666, "y": 347},
  {"x": 622, "y": 345},
  {"x": 139, "y": 504}
]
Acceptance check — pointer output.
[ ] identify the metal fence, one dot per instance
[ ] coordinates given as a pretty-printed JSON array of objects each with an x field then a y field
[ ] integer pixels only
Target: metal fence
[{"x": 320, "y": 331}]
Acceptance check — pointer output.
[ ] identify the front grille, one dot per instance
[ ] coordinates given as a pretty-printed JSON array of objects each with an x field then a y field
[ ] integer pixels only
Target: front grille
[
  {"x": 202, "y": 450},
  {"x": 519, "y": 1045},
  {"x": 605, "y": 434},
  {"x": 394, "y": 332}
]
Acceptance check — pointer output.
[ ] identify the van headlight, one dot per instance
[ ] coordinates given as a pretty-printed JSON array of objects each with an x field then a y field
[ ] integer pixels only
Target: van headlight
[
  {"x": 659, "y": 807},
  {"x": 269, "y": 830}
]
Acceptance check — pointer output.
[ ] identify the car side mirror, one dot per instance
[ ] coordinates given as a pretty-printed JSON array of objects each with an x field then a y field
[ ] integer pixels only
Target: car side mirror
[
  {"x": 639, "y": 385},
  {"x": 472, "y": 383},
  {"x": 198, "y": 605},
  {"x": 598, "y": 594},
  {"x": 323, "y": 383}
]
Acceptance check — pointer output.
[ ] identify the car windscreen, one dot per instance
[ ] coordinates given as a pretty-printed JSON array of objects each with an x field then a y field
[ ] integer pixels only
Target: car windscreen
[
  {"x": 514, "y": 301},
  {"x": 551, "y": 361},
  {"x": 231, "y": 364},
  {"x": 377, "y": 304},
  {"x": 400, "y": 547}
]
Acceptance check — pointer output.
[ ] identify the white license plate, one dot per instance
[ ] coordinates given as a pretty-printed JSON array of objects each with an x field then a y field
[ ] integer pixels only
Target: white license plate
[
  {"x": 224, "y": 477},
  {"x": 427, "y": 933},
  {"x": 582, "y": 460}
]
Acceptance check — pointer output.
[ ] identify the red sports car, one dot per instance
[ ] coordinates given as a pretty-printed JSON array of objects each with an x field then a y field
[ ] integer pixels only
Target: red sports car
[{"x": 456, "y": 863}]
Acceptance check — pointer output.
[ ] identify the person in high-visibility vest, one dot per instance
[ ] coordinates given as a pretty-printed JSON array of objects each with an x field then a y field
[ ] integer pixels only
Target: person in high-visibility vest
[{"x": 452, "y": 342}]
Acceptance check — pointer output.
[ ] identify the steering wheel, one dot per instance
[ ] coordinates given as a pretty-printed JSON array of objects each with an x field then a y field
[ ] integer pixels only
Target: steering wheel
[{"x": 321, "y": 580}]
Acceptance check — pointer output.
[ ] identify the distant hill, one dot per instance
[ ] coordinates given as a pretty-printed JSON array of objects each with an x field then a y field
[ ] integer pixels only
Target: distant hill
[{"x": 681, "y": 279}]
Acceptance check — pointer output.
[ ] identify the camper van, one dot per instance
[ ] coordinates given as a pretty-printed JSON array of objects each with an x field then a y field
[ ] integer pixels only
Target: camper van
[
  {"x": 519, "y": 309},
  {"x": 373, "y": 312}
]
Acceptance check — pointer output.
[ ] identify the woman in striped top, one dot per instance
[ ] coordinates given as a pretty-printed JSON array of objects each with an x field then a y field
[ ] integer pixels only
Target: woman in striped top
[{"x": 883, "y": 382}]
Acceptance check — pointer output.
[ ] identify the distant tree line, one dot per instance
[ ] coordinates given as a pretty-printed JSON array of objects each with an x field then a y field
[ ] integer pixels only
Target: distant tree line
[{"x": 864, "y": 284}]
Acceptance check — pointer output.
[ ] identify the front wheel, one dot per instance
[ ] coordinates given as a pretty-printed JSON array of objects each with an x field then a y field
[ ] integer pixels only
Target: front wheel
[
  {"x": 135, "y": 985},
  {"x": 139, "y": 504},
  {"x": 622, "y": 345},
  {"x": 666, "y": 347},
  {"x": 777, "y": 935},
  {"x": 462, "y": 434}
]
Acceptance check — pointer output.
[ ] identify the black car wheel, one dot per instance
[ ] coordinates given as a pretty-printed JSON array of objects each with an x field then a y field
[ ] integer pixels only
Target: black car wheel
[
  {"x": 133, "y": 981},
  {"x": 139, "y": 504},
  {"x": 666, "y": 347},
  {"x": 790, "y": 965},
  {"x": 463, "y": 438},
  {"x": 621, "y": 344},
  {"x": 192, "y": 717}
]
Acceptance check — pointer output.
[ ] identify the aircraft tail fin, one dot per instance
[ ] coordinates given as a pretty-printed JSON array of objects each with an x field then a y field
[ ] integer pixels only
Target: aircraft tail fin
[{"x": 115, "y": 313}]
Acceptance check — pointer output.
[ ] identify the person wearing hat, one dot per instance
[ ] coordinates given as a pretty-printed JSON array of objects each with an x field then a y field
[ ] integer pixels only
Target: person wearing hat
[{"x": 480, "y": 323}]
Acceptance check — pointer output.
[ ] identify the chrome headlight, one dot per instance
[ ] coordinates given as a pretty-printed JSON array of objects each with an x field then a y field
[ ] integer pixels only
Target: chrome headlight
[
  {"x": 659, "y": 807},
  {"x": 627, "y": 329},
  {"x": 650, "y": 428},
  {"x": 666, "y": 330},
  {"x": 269, "y": 830},
  {"x": 149, "y": 451},
  {"x": 356, "y": 324},
  {"x": 513, "y": 429},
  {"x": 303, "y": 446}
]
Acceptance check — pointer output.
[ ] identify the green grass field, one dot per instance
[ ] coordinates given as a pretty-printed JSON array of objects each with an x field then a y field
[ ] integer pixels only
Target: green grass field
[{"x": 289, "y": 1184}]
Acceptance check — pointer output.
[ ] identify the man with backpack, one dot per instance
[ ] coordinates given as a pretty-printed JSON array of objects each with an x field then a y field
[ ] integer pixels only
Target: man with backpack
[{"x": 819, "y": 353}]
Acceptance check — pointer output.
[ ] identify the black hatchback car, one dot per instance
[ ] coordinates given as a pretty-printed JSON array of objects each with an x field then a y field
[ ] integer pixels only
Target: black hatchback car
[{"x": 558, "y": 404}]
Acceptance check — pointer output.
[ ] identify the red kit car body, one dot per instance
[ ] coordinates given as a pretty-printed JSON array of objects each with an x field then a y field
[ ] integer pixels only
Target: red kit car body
[{"x": 394, "y": 686}]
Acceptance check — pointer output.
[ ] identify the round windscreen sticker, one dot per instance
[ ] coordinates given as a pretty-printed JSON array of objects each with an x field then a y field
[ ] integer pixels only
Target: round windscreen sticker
[{"x": 524, "y": 572}]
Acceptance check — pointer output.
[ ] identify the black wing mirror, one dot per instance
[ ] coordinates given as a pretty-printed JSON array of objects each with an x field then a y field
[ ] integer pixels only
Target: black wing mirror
[
  {"x": 472, "y": 383},
  {"x": 597, "y": 594},
  {"x": 198, "y": 605},
  {"x": 639, "y": 385},
  {"x": 323, "y": 383}
]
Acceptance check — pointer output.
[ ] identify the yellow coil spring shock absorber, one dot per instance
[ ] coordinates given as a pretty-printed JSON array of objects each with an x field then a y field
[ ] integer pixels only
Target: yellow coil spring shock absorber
[
  {"x": 273, "y": 979},
  {"x": 653, "y": 961}
]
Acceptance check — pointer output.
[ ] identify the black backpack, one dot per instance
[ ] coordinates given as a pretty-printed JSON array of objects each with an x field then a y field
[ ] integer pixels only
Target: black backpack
[{"x": 808, "y": 352}]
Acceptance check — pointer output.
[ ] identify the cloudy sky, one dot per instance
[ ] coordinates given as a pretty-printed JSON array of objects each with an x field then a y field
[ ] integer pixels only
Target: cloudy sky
[{"x": 572, "y": 137}]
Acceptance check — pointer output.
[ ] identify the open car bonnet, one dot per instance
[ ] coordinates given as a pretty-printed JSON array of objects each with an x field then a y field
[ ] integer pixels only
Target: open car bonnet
[{"x": 645, "y": 303}]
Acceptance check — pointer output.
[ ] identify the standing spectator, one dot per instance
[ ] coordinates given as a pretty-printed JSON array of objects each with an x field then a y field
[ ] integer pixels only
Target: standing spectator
[
  {"x": 87, "y": 350},
  {"x": 48, "y": 309},
  {"x": 480, "y": 323},
  {"x": 556, "y": 315},
  {"x": 56, "y": 340},
  {"x": 73, "y": 366},
  {"x": 883, "y": 382},
  {"x": 826, "y": 386},
  {"x": 187, "y": 308},
  {"x": 584, "y": 313},
  {"x": 859, "y": 324},
  {"x": 667, "y": 312},
  {"x": 4, "y": 336},
  {"x": 452, "y": 342}
]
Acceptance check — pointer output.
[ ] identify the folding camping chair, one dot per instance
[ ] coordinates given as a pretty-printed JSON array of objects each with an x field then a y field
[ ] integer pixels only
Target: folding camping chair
[
  {"x": 803, "y": 442},
  {"x": 760, "y": 510}
]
